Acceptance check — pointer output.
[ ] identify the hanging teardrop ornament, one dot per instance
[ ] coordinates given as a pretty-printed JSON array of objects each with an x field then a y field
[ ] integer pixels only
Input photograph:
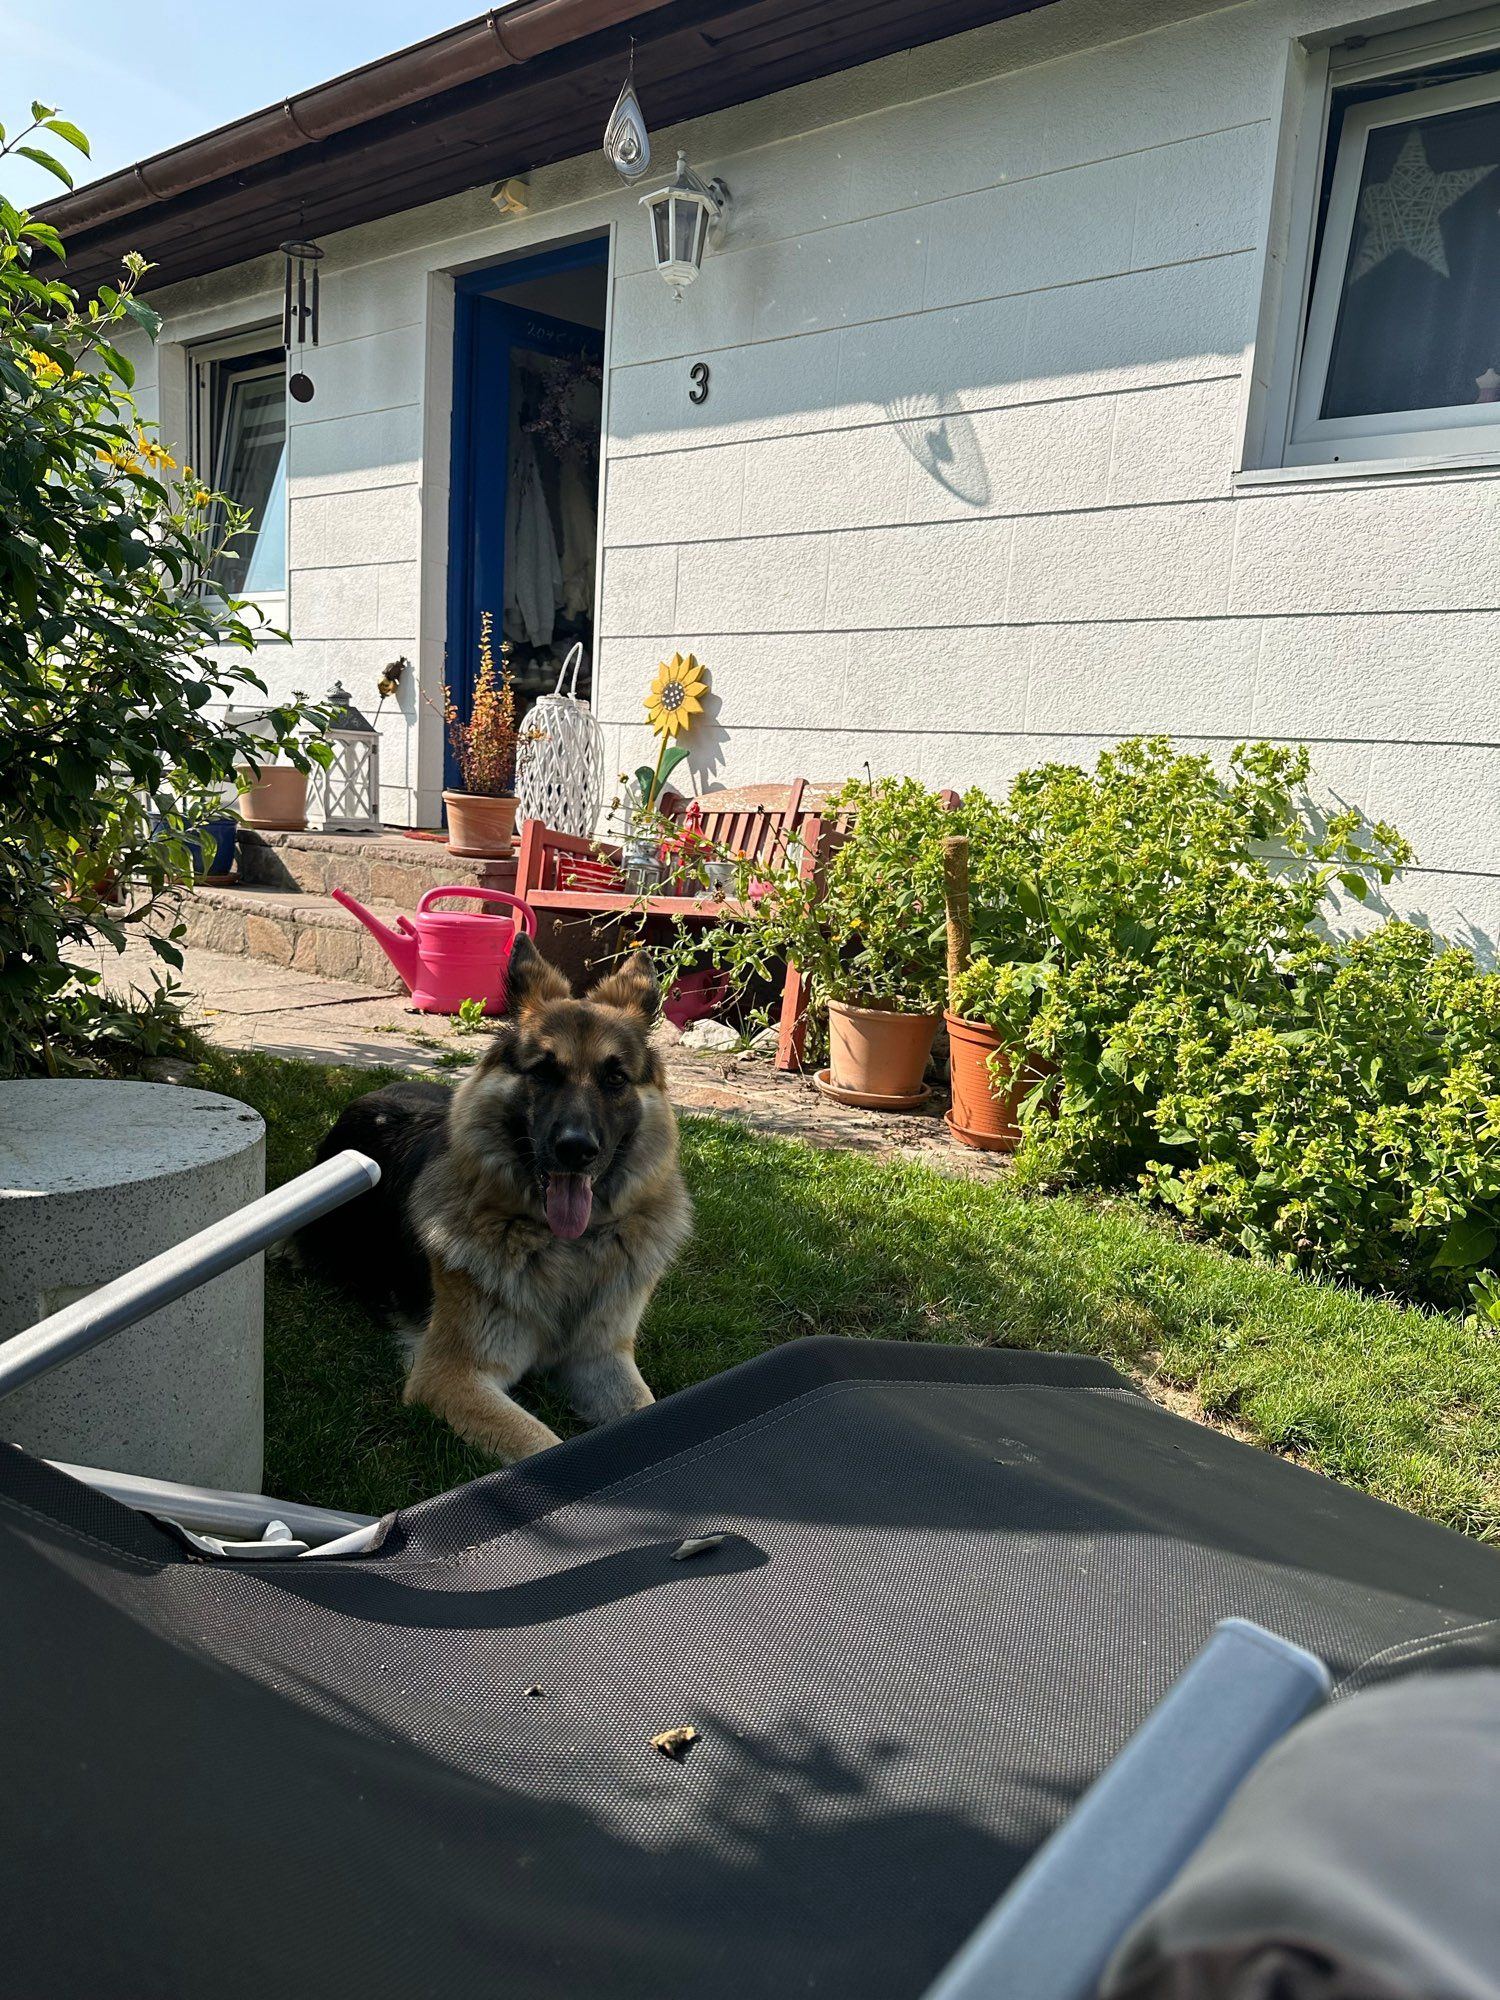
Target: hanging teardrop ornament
[{"x": 627, "y": 143}]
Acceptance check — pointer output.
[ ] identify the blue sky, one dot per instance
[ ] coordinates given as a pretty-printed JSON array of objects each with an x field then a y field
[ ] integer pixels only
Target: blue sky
[{"x": 141, "y": 77}]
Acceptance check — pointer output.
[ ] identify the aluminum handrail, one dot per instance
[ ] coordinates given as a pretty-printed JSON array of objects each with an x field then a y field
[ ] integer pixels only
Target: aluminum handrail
[{"x": 162, "y": 1279}]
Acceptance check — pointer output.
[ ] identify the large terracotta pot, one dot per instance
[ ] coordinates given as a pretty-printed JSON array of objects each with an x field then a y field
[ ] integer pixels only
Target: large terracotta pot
[
  {"x": 480, "y": 827},
  {"x": 985, "y": 1105},
  {"x": 877, "y": 1051},
  {"x": 277, "y": 799}
]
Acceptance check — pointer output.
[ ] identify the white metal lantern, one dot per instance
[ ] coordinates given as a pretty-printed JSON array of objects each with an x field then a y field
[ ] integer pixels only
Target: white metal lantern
[
  {"x": 348, "y": 793},
  {"x": 684, "y": 215},
  {"x": 560, "y": 759}
]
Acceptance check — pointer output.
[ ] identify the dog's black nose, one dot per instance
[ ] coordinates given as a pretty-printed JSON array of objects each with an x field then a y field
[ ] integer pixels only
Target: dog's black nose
[{"x": 576, "y": 1149}]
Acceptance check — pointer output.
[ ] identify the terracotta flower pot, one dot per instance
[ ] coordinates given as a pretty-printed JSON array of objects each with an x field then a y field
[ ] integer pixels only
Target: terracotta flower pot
[
  {"x": 985, "y": 1107},
  {"x": 877, "y": 1051},
  {"x": 276, "y": 801},
  {"x": 480, "y": 827}
]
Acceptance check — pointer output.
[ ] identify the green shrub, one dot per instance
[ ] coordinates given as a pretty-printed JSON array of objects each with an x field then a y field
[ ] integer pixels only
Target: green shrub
[
  {"x": 112, "y": 643},
  {"x": 1363, "y": 1139},
  {"x": 866, "y": 931},
  {"x": 1335, "y": 1107},
  {"x": 1169, "y": 898}
]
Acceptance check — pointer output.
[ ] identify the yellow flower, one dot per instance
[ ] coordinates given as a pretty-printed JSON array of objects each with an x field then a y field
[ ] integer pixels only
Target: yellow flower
[
  {"x": 116, "y": 455},
  {"x": 676, "y": 694},
  {"x": 43, "y": 367},
  {"x": 155, "y": 454}
]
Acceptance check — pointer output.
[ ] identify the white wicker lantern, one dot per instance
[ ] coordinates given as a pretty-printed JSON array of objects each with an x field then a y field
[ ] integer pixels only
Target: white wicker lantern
[
  {"x": 560, "y": 759},
  {"x": 684, "y": 215},
  {"x": 347, "y": 794}
]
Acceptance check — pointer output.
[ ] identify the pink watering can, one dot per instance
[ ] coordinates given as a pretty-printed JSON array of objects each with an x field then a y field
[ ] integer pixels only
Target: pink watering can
[{"x": 447, "y": 957}]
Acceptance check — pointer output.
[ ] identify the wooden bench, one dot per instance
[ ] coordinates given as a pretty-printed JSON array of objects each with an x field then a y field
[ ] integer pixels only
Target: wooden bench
[{"x": 761, "y": 822}]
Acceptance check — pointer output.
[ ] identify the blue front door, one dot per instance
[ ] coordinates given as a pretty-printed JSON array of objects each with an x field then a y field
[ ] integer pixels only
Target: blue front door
[{"x": 494, "y": 344}]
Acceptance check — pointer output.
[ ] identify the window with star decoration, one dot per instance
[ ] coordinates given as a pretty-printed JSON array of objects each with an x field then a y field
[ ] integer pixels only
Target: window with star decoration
[{"x": 1401, "y": 357}]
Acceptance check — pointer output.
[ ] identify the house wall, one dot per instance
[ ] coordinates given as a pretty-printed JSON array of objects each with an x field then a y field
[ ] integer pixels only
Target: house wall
[{"x": 983, "y": 337}]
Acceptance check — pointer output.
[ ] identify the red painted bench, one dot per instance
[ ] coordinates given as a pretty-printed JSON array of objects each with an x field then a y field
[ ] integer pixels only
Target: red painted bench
[{"x": 761, "y": 822}]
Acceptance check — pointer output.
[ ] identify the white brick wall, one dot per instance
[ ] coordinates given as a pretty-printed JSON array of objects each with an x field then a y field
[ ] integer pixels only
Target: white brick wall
[{"x": 961, "y": 497}]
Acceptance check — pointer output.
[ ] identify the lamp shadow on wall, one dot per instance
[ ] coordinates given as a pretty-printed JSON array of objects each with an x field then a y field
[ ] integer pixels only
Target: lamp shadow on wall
[{"x": 941, "y": 437}]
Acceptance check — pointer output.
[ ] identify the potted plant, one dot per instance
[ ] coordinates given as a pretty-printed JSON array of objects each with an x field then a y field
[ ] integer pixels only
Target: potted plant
[
  {"x": 864, "y": 933},
  {"x": 995, "y": 1076},
  {"x": 213, "y": 849},
  {"x": 482, "y": 817},
  {"x": 273, "y": 797}
]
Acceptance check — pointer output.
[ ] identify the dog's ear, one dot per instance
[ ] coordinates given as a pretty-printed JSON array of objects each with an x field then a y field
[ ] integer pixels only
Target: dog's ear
[
  {"x": 530, "y": 982},
  {"x": 631, "y": 988}
]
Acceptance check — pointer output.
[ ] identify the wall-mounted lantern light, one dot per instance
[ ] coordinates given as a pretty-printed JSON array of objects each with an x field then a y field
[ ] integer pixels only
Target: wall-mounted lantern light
[{"x": 685, "y": 215}]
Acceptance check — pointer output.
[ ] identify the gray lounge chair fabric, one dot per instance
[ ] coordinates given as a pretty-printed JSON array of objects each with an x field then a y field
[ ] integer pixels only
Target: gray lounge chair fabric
[
  {"x": 1360, "y": 1861},
  {"x": 951, "y": 1586}
]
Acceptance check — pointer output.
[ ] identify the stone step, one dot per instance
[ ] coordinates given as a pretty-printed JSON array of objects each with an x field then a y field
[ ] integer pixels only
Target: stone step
[
  {"x": 290, "y": 927},
  {"x": 377, "y": 868}
]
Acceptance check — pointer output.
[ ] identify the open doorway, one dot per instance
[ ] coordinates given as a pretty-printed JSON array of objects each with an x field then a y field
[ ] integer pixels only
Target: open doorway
[{"x": 527, "y": 417}]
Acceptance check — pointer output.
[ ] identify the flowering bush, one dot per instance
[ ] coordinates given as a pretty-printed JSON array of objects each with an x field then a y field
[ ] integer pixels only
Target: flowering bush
[{"x": 112, "y": 641}]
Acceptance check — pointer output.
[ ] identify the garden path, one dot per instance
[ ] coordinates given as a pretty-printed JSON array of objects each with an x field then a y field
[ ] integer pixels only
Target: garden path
[{"x": 244, "y": 1003}]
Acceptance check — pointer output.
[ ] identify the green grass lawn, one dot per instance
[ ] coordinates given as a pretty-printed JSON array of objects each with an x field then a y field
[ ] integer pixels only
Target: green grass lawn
[{"x": 793, "y": 1241}]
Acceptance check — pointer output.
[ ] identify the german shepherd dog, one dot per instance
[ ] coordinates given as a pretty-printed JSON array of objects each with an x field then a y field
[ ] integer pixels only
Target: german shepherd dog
[{"x": 522, "y": 1221}]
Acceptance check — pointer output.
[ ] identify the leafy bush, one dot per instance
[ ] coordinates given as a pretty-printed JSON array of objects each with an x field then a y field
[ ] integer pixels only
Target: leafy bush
[
  {"x": 1158, "y": 891},
  {"x": 867, "y": 930},
  {"x": 1363, "y": 1138},
  {"x": 1158, "y": 931},
  {"x": 1334, "y": 1107},
  {"x": 112, "y": 642},
  {"x": 1006, "y": 996}
]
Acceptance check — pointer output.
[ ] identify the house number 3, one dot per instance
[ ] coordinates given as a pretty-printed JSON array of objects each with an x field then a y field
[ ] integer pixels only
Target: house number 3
[{"x": 698, "y": 375}]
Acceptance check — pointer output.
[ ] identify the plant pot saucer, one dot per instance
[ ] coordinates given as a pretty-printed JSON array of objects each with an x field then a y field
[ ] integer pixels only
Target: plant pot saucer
[
  {"x": 868, "y": 1100},
  {"x": 981, "y": 1142}
]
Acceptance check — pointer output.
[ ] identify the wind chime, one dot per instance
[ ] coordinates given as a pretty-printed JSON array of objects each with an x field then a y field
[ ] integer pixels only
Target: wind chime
[
  {"x": 299, "y": 311},
  {"x": 627, "y": 143}
]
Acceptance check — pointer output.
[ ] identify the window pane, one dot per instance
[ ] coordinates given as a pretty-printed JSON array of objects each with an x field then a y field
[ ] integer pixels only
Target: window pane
[
  {"x": 252, "y": 473},
  {"x": 1419, "y": 320},
  {"x": 685, "y": 216}
]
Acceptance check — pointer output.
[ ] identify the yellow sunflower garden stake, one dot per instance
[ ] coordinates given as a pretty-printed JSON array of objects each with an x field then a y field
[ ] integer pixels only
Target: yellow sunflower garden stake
[{"x": 676, "y": 696}]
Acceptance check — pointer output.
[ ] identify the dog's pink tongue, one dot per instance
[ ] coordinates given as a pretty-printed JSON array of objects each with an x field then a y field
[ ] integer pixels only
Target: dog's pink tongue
[{"x": 570, "y": 1203}]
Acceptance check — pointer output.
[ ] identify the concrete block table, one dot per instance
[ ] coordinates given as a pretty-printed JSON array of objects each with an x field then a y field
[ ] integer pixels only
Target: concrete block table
[{"x": 95, "y": 1177}]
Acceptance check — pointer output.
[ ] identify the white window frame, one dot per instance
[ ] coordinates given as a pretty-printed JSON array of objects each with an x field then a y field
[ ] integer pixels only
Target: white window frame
[
  {"x": 204, "y": 357},
  {"x": 1468, "y": 428}
]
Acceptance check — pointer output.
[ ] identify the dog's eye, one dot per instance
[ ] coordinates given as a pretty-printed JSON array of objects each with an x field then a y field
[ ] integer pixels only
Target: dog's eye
[
  {"x": 613, "y": 1078},
  {"x": 546, "y": 1069}
]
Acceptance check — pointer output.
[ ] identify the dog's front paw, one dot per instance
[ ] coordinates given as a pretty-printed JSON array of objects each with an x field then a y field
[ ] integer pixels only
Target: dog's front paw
[{"x": 604, "y": 1389}]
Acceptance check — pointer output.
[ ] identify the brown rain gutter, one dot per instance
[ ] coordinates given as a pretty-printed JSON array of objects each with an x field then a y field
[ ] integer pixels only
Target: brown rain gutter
[{"x": 499, "y": 40}]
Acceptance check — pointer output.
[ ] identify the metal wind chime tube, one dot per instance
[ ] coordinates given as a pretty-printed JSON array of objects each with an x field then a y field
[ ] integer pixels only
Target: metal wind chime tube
[{"x": 300, "y": 301}]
